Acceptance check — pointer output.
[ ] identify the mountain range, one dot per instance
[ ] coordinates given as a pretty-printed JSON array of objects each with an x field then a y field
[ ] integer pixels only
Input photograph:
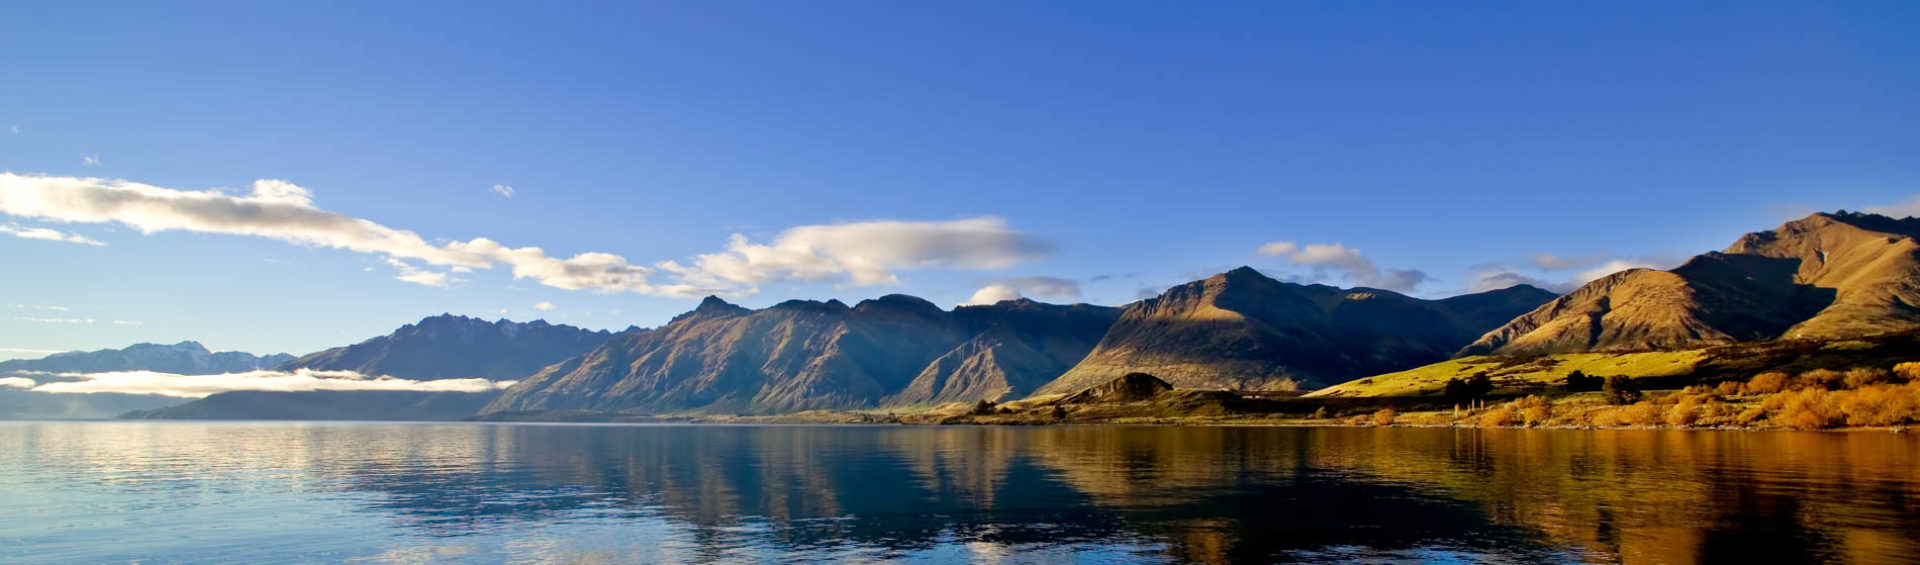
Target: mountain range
[
  {"x": 804, "y": 355},
  {"x": 449, "y": 346},
  {"x": 1826, "y": 276},
  {"x": 184, "y": 358}
]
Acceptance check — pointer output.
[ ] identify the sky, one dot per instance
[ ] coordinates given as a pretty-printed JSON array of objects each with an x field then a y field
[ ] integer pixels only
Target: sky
[{"x": 286, "y": 177}]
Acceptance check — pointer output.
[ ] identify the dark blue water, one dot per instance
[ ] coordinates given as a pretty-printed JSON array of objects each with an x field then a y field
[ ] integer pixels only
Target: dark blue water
[{"x": 418, "y": 493}]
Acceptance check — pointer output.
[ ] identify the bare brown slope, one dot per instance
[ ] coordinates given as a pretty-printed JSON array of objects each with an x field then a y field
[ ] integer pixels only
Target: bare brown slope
[
  {"x": 1241, "y": 329},
  {"x": 802, "y": 355},
  {"x": 1823, "y": 276}
]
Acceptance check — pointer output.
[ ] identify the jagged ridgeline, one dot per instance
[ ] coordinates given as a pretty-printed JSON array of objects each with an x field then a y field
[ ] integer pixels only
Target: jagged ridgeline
[
  {"x": 1236, "y": 330},
  {"x": 801, "y": 355},
  {"x": 448, "y": 346},
  {"x": 1823, "y": 277}
]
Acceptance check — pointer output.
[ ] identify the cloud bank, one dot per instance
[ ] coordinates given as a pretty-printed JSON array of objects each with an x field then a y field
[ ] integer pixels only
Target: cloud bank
[
  {"x": 201, "y": 386},
  {"x": 859, "y": 253},
  {"x": 1347, "y": 261}
]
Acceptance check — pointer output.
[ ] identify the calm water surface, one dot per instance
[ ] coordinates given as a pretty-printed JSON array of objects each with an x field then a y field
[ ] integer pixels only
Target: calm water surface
[{"x": 418, "y": 493}]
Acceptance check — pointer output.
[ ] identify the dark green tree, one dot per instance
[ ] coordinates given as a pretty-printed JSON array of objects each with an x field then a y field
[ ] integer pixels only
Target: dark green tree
[{"x": 1620, "y": 391}]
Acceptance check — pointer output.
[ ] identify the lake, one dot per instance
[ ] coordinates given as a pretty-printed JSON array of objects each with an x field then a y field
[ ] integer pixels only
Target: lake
[{"x": 181, "y": 492}]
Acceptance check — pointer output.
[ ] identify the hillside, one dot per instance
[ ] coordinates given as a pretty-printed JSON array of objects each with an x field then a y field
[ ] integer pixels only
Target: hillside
[
  {"x": 1826, "y": 276},
  {"x": 1243, "y": 330},
  {"x": 448, "y": 346},
  {"x": 802, "y": 355}
]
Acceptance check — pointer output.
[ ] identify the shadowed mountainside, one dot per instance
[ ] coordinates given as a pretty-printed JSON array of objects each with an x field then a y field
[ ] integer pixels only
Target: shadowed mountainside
[
  {"x": 801, "y": 355},
  {"x": 1825, "y": 276},
  {"x": 448, "y": 346}
]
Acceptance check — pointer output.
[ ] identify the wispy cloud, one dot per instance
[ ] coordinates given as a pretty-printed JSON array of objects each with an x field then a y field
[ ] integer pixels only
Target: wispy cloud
[
  {"x": 16, "y": 382},
  {"x": 47, "y": 234},
  {"x": 32, "y": 307},
  {"x": 90, "y": 160},
  {"x": 503, "y": 190},
  {"x": 31, "y": 351},
  {"x": 200, "y": 386},
  {"x": 1909, "y": 208},
  {"x": 128, "y": 323},
  {"x": 1346, "y": 261},
  {"x": 860, "y": 253},
  {"x": 55, "y": 320},
  {"x": 544, "y": 306}
]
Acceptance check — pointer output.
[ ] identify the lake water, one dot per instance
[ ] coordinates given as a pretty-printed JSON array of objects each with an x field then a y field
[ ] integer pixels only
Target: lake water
[{"x": 110, "y": 492}]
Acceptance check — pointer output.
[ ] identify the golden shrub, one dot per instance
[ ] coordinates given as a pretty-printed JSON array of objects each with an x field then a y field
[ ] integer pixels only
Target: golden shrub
[
  {"x": 1823, "y": 378},
  {"x": 1682, "y": 415},
  {"x": 1806, "y": 409},
  {"x": 1497, "y": 417},
  {"x": 1728, "y": 388},
  {"x": 1866, "y": 376},
  {"x": 1767, "y": 383},
  {"x": 1908, "y": 371},
  {"x": 1642, "y": 414},
  {"x": 1536, "y": 415},
  {"x": 1384, "y": 417},
  {"x": 1879, "y": 406}
]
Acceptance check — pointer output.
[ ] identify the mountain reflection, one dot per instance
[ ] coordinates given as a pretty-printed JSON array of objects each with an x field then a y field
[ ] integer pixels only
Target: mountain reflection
[{"x": 1204, "y": 495}]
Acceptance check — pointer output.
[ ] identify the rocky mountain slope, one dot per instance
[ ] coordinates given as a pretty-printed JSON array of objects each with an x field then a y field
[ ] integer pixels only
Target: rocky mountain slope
[
  {"x": 800, "y": 355},
  {"x": 1244, "y": 330},
  {"x": 184, "y": 358},
  {"x": 448, "y": 346},
  {"x": 1825, "y": 276}
]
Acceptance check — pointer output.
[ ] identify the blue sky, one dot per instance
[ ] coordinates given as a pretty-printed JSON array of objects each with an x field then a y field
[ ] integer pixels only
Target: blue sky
[{"x": 1121, "y": 147}]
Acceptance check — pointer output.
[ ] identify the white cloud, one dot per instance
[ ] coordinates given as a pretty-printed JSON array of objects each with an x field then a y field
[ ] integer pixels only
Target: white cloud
[
  {"x": 862, "y": 253},
  {"x": 90, "y": 160},
  {"x": 503, "y": 190},
  {"x": 16, "y": 382},
  {"x": 55, "y": 320},
  {"x": 1906, "y": 209},
  {"x": 199, "y": 386},
  {"x": 1021, "y": 287},
  {"x": 27, "y": 350},
  {"x": 47, "y": 234},
  {"x": 1346, "y": 261},
  {"x": 283, "y": 211},
  {"x": 544, "y": 306},
  {"x": 128, "y": 323},
  {"x": 1586, "y": 268},
  {"x": 53, "y": 308},
  {"x": 16, "y": 129},
  {"x": 992, "y": 294},
  {"x": 1614, "y": 266}
]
